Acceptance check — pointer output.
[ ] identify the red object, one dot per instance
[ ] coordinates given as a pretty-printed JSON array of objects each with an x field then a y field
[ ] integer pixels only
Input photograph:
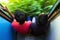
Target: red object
[{"x": 23, "y": 29}]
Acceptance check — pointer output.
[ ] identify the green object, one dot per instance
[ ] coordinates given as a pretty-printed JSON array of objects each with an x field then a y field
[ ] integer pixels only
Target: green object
[
  {"x": 30, "y": 7},
  {"x": 55, "y": 7}
]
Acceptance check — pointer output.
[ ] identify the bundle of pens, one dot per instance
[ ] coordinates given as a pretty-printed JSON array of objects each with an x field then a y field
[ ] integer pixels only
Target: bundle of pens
[{"x": 5, "y": 13}]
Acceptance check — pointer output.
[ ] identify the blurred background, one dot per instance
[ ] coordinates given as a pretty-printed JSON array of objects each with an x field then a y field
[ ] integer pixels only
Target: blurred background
[{"x": 30, "y": 7}]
